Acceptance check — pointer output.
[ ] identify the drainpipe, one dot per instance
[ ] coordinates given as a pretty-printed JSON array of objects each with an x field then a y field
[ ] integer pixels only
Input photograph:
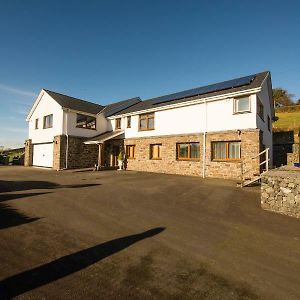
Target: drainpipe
[
  {"x": 66, "y": 130},
  {"x": 204, "y": 141}
]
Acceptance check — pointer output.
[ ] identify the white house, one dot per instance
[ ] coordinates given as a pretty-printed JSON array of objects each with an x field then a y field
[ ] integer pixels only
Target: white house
[{"x": 211, "y": 131}]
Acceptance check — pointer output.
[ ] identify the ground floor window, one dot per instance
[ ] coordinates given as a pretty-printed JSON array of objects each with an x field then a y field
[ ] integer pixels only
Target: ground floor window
[
  {"x": 130, "y": 151},
  {"x": 188, "y": 151},
  {"x": 155, "y": 151},
  {"x": 226, "y": 150}
]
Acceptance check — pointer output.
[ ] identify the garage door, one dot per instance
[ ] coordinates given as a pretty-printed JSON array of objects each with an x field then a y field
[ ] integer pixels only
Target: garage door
[{"x": 43, "y": 155}]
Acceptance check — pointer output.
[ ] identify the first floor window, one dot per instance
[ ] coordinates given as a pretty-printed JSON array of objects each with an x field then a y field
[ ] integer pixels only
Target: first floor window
[
  {"x": 146, "y": 122},
  {"x": 242, "y": 104},
  {"x": 226, "y": 150},
  {"x": 129, "y": 122},
  {"x": 188, "y": 151},
  {"x": 118, "y": 123},
  {"x": 260, "y": 109},
  {"x": 155, "y": 151},
  {"x": 84, "y": 121},
  {"x": 48, "y": 121},
  {"x": 130, "y": 151},
  {"x": 36, "y": 123}
]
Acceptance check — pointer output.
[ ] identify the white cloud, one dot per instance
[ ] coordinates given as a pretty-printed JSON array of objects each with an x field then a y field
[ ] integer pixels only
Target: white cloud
[{"x": 18, "y": 91}]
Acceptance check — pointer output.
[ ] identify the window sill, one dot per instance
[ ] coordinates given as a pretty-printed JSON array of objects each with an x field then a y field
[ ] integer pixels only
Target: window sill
[
  {"x": 227, "y": 160},
  {"x": 155, "y": 158},
  {"x": 242, "y": 112},
  {"x": 188, "y": 159},
  {"x": 86, "y": 128},
  {"x": 146, "y": 129}
]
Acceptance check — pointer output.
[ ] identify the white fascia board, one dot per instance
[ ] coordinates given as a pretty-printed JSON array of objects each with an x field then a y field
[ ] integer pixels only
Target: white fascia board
[
  {"x": 35, "y": 104},
  {"x": 188, "y": 103}
]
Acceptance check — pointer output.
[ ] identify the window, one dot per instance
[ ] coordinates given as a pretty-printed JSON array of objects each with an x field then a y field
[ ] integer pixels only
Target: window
[
  {"x": 188, "y": 151},
  {"x": 130, "y": 149},
  {"x": 118, "y": 123},
  {"x": 155, "y": 151},
  {"x": 48, "y": 121},
  {"x": 36, "y": 123},
  {"x": 269, "y": 123},
  {"x": 87, "y": 122},
  {"x": 129, "y": 122},
  {"x": 226, "y": 150},
  {"x": 260, "y": 109},
  {"x": 146, "y": 122},
  {"x": 242, "y": 105}
]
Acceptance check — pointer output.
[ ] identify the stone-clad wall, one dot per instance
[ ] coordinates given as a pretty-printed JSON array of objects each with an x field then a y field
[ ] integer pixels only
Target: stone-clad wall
[
  {"x": 280, "y": 191},
  {"x": 250, "y": 146},
  {"x": 28, "y": 157},
  {"x": 168, "y": 163},
  {"x": 80, "y": 155}
]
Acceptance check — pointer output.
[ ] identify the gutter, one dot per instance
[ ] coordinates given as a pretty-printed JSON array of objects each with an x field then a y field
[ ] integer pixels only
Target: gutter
[
  {"x": 204, "y": 142},
  {"x": 66, "y": 111}
]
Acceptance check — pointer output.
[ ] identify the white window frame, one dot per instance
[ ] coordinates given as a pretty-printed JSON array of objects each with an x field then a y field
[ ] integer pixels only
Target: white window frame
[{"x": 235, "y": 105}]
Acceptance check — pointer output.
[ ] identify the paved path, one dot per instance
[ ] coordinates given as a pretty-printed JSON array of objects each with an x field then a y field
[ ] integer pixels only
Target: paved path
[{"x": 130, "y": 235}]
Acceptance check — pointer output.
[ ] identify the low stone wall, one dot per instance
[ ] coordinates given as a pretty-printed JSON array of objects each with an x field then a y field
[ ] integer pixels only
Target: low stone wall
[{"x": 280, "y": 191}]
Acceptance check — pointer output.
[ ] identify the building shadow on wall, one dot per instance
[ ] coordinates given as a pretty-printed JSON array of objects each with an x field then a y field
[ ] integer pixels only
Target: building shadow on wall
[
  {"x": 12, "y": 186},
  {"x": 282, "y": 145},
  {"x": 69, "y": 264}
]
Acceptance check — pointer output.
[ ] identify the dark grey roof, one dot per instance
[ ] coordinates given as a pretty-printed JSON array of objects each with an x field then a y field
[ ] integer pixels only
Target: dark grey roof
[
  {"x": 173, "y": 98},
  {"x": 116, "y": 107},
  {"x": 74, "y": 103},
  {"x": 90, "y": 107},
  {"x": 100, "y": 138}
]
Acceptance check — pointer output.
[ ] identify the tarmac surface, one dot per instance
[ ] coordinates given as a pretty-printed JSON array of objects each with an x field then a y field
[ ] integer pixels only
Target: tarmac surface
[{"x": 134, "y": 235}]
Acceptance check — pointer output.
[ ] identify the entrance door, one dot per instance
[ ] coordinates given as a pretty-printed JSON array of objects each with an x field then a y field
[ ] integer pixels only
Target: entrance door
[{"x": 115, "y": 154}]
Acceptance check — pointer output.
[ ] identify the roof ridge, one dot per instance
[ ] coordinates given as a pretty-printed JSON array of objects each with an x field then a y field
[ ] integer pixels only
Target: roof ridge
[{"x": 73, "y": 97}]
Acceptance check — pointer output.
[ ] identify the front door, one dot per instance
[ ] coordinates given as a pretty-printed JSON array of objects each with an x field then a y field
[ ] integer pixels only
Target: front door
[{"x": 114, "y": 158}]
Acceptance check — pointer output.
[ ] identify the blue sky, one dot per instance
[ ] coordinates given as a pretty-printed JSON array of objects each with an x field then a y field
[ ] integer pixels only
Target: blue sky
[{"x": 112, "y": 50}]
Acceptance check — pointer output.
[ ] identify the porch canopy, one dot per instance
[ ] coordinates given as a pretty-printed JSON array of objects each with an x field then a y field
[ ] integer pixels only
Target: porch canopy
[
  {"x": 105, "y": 136},
  {"x": 100, "y": 139}
]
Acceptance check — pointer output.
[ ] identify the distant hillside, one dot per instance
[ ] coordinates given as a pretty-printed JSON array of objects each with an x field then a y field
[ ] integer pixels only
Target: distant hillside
[{"x": 288, "y": 118}]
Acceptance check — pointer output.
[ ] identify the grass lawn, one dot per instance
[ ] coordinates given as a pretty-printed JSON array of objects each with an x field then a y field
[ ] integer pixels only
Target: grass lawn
[{"x": 287, "y": 120}]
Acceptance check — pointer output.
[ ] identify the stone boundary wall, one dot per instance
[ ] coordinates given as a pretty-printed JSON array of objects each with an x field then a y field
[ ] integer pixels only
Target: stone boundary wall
[{"x": 280, "y": 191}]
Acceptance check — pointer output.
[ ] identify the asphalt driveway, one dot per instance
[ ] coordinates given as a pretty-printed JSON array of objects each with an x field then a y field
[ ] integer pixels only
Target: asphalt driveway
[{"x": 132, "y": 235}]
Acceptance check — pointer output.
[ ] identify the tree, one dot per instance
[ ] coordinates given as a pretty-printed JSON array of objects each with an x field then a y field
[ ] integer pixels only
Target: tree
[
  {"x": 298, "y": 102},
  {"x": 283, "y": 97}
]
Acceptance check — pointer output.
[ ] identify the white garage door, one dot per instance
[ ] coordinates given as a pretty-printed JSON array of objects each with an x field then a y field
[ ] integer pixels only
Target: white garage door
[{"x": 43, "y": 155}]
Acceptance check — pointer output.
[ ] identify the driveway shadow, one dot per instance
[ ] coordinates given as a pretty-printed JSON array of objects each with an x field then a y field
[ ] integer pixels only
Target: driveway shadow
[
  {"x": 10, "y": 217},
  {"x": 7, "y": 197},
  {"x": 64, "y": 266},
  {"x": 13, "y": 186}
]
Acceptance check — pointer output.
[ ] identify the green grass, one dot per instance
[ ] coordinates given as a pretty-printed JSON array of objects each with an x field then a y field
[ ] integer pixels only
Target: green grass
[{"x": 287, "y": 120}]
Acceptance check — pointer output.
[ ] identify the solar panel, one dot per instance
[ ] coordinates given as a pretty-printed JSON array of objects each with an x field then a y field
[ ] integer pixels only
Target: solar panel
[
  {"x": 120, "y": 107},
  {"x": 206, "y": 89}
]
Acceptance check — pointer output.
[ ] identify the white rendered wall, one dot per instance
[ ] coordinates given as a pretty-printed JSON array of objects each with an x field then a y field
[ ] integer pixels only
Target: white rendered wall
[
  {"x": 191, "y": 119},
  {"x": 46, "y": 106},
  {"x": 101, "y": 125},
  {"x": 263, "y": 125}
]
